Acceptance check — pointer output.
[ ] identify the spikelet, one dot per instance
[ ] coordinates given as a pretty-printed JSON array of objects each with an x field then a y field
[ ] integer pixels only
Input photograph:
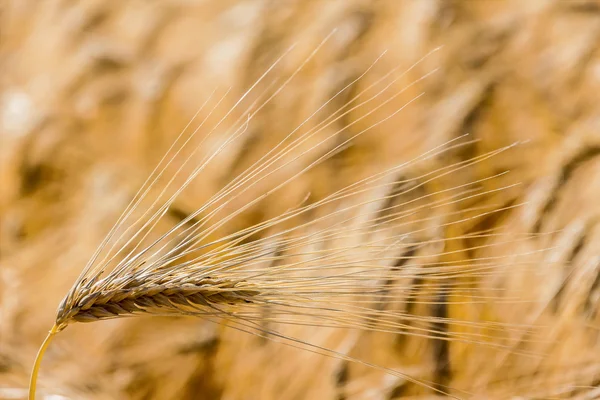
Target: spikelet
[{"x": 363, "y": 257}]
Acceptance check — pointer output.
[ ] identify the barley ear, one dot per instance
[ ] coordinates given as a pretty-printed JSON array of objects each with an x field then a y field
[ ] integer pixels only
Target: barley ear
[{"x": 38, "y": 361}]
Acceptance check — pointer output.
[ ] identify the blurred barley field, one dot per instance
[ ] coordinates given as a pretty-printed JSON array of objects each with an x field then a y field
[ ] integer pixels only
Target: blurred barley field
[{"x": 92, "y": 93}]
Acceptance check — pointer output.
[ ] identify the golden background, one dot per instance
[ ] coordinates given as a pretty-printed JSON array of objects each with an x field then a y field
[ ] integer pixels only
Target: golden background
[{"x": 93, "y": 92}]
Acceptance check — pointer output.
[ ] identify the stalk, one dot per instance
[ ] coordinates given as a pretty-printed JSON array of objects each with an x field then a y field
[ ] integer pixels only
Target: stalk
[{"x": 38, "y": 361}]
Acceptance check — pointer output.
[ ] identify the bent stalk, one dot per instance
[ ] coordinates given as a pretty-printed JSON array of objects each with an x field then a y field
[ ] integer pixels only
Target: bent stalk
[{"x": 38, "y": 361}]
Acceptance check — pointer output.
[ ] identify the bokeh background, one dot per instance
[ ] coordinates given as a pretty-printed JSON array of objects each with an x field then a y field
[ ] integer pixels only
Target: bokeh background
[{"x": 93, "y": 92}]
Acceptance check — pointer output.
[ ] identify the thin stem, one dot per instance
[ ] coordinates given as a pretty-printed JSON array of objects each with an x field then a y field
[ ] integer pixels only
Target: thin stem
[{"x": 38, "y": 361}]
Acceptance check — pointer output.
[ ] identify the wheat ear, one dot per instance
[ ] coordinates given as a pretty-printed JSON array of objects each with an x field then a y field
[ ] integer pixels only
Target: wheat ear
[
  {"x": 157, "y": 281},
  {"x": 188, "y": 272}
]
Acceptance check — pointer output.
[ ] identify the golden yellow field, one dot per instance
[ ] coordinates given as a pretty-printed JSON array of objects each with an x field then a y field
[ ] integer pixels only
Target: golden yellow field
[{"x": 93, "y": 93}]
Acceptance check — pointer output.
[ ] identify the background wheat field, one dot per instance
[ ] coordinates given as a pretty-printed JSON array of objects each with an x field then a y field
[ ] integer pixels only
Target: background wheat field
[{"x": 92, "y": 93}]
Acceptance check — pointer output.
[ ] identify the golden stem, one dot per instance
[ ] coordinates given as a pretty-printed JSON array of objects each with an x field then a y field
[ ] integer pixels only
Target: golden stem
[{"x": 38, "y": 361}]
